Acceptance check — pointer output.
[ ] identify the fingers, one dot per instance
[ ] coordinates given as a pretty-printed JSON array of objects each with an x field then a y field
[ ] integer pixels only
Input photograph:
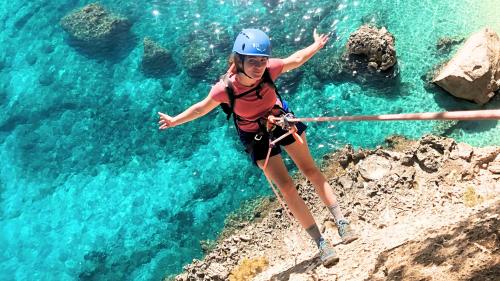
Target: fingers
[
  {"x": 165, "y": 121},
  {"x": 164, "y": 124},
  {"x": 163, "y": 115},
  {"x": 321, "y": 39}
]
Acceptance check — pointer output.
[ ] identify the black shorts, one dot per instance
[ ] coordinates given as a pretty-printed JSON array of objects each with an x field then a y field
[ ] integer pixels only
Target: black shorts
[{"x": 258, "y": 148}]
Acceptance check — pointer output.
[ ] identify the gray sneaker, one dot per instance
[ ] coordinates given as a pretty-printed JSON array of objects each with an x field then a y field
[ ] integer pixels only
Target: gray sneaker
[
  {"x": 345, "y": 231},
  {"x": 327, "y": 254}
]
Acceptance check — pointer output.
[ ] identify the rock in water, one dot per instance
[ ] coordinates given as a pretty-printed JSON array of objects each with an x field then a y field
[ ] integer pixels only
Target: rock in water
[
  {"x": 156, "y": 59},
  {"x": 94, "y": 27},
  {"x": 376, "y": 44},
  {"x": 474, "y": 72}
]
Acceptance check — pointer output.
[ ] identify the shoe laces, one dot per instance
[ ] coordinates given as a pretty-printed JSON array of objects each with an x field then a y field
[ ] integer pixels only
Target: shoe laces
[
  {"x": 343, "y": 227},
  {"x": 324, "y": 249}
]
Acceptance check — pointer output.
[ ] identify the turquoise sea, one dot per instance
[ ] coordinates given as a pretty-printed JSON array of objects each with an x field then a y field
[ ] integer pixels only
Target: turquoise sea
[{"x": 91, "y": 190}]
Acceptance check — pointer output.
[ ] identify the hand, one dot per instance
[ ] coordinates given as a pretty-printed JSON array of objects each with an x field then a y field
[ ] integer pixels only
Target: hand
[
  {"x": 166, "y": 121},
  {"x": 320, "y": 39}
]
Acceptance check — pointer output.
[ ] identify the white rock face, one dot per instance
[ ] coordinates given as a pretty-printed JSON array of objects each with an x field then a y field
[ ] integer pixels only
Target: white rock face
[
  {"x": 374, "y": 167},
  {"x": 474, "y": 72}
]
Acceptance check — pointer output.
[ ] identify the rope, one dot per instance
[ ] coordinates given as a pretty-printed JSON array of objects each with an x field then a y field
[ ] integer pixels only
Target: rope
[
  {"x": 291, "y": 131},
  {"x": 287, "y": 122},
  {"x": 283, "y": 205},
  {"x": 492, "y": 114}
]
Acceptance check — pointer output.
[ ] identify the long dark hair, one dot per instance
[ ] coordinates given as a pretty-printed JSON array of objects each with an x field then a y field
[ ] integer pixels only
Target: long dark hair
[{"x": 237, "y": 59}]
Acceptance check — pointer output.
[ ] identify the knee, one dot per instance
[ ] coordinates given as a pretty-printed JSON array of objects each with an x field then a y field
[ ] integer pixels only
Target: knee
[
  {"x": 311, "y": 171},
  {"x": 287, "y": 188}
]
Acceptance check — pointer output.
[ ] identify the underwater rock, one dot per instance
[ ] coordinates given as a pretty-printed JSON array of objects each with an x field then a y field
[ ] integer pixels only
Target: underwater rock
[
  {"x": 445, "y": 44},
  {"x": 48, "y": 48},
  {"x": 204, "y": 51},
  {"x": 289, "y": 81},
  {"x": 31, "y": 58},
  {"x": 24, "y": 19},
  {"x": 156, "y": 59},
  {"x": 46, "y": 78},
  {"x": 94, "y": 262},
  {"x": 197, "y": 58},
  {"x": 166, "y": 84},
  {"x": 474, "y": 72},
  {"x": 444, "y": 127},
  {"x": 376, "y": 44},
  {"x": 3, "y": 99},
  {"x": 94, "y": 27}
]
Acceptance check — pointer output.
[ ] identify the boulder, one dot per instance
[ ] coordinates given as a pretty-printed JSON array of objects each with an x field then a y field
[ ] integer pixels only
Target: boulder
[
  {"x": 92, "y": 26},
  {"x": 376, "y": 44},
  {"x": 494, "y": 166},
  {"x": 374, "y": 167},
  {"x": 156, "y": 60},
  {"x": 197, "y": 58},
  {"x": 217, "y": 271},
  {"x": 463, "y": 151},
  {"x": 474, "y": 72},
  {"x": 431, "y": 152}
]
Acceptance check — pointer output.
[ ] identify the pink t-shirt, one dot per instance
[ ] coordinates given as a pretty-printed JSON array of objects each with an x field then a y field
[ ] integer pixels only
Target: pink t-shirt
[{"x": 250, "y": 107}]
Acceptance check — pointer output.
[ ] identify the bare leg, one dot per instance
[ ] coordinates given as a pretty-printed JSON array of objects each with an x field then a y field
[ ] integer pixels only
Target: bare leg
[
  {"x": 302, "y": 157},
  {"x": 278, "y": 173}
]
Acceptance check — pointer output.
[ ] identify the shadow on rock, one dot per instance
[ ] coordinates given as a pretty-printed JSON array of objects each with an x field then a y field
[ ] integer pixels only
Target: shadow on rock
[
  {"x": 116, "y": 49},
  {"x": 467, "y": 251},
  {"x": 303, "y": 267}
]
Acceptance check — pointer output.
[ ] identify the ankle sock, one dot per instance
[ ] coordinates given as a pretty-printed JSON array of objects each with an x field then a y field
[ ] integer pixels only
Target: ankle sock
[
  {"x": 336, "y": 212},
  {"x": 315, "y": 234}
]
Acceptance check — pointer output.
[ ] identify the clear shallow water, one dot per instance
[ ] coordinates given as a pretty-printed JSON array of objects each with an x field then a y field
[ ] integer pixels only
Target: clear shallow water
[{"x": 91, "y": 190}]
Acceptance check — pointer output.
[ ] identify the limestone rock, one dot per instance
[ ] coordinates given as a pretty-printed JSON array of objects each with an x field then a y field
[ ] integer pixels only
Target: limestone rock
[
  {"x": 485, "y": 155},
  {"x": 346, "y": 182},
  {"x": 431, "y": 150},
  {"x": 374, "y": 167},
  {"x": 156, "y": 60},
  {"x": 216, "y": 271},
  {"x": 93, "y": 26},
  {"x": 376, "y": 44},
  {"x": 494, "y": 166},
  {"x": 474, "y": 72},
  {"x": 463, "y": 151}
]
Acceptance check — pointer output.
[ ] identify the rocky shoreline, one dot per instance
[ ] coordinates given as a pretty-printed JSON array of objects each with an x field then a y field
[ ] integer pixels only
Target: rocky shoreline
[{"x": 410, "y": 186}]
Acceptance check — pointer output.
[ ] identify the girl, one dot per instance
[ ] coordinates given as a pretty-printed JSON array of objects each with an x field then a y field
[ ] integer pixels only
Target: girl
[{"x": 249, "y": 92}]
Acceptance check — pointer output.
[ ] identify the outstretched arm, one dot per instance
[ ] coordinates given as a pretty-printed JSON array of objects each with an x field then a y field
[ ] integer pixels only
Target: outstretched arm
[
  {"x": 300, "y": 57},
  {"x": 195, "y": 111}
]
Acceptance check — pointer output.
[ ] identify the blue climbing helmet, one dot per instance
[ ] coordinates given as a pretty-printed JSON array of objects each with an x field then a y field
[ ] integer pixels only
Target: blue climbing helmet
[{"x": 252, "y": 42}]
